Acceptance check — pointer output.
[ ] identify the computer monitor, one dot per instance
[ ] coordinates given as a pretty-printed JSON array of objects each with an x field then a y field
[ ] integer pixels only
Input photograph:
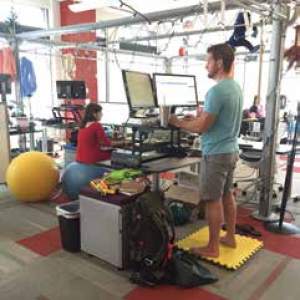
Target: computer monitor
[
  {"x": 114, "y": 113},
  {"x": 175, "y": 89},
  {"x": 139, "y": 90},
  {"x": 70, "y": 89}
]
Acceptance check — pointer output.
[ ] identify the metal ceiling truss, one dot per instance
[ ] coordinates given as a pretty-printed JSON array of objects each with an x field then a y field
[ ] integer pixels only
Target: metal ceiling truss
[
  {"x": 260, "y": 8},
  {"x": 177, "y": 34},
  {"x": 89, "y": 47},
  {"x": 153, "y": 17}
]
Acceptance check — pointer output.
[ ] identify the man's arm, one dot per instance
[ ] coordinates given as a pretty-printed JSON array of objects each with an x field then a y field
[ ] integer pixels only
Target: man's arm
[{"x": 199, "y": 124}]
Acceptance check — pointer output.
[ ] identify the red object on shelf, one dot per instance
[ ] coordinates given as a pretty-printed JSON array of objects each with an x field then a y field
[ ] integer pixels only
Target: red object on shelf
[{"x": 182, "y": 51}]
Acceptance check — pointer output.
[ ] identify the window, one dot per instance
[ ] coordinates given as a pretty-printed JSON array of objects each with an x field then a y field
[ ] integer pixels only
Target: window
[
  {"x": 42, "y": 99},
  {"x": 197, "y": 68},
  {"x": 117, "y": 63},
  {"x": 26, "y": 15},
  {"x": 34, "y": 16}
]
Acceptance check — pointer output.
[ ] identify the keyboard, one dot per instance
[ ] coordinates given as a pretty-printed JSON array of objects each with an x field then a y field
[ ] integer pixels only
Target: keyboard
[
  {"x": 172, "y": 151},
  {"x": 151, "y": 121}
]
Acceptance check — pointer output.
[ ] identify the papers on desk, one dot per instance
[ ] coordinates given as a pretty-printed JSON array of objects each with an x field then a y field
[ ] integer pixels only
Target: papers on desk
[
  {"x": 250, "y": 144},
  {"x": 258, "y": 146}
]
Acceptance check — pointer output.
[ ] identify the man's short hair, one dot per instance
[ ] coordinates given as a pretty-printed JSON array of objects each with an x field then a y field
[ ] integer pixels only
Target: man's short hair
[{"x": 223, "y": 52}]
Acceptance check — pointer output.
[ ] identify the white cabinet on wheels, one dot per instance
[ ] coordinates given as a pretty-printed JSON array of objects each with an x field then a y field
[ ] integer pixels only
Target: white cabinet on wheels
[{"x": 4, "y": 142}]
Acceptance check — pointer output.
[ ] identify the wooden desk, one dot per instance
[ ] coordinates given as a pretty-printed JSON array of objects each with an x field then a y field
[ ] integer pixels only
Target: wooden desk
[{"x": 161, "y": 165}]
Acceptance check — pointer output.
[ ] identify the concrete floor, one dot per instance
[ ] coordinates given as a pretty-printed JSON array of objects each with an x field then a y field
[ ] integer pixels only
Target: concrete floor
[{"x": 62, "y": 275}]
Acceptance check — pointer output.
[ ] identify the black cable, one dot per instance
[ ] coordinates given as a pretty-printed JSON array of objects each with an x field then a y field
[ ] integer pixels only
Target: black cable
[{"x": 136, "y": 12}]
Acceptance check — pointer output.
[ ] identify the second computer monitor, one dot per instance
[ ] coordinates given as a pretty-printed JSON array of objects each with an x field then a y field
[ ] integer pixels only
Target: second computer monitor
[
  {"x": 175, "y": 89},
  {"x": 139, "y": 90}
]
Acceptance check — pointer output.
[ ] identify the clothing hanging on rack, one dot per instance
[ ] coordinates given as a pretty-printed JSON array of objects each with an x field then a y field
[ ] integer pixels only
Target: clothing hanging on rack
[
  {"x": 241, "y": 25},
  {"x": 69, "y": 66},
  {"x": 8, "y": 62},
  {"x": 27, "y": 78}
]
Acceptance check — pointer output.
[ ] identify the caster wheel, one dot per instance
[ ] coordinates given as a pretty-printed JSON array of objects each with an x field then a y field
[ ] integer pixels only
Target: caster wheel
[
  {"x": 274, "y": 195},
  {"x": 235, "y": 185},
  {"x": 244, "y": 193},
  {"x": 280, "y": 188}
]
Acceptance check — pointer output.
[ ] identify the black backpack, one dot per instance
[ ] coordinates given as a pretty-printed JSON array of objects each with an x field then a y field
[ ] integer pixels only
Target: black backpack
[
  {"x": 151, "y": 238},
  {"x": 153, "y": 256}
]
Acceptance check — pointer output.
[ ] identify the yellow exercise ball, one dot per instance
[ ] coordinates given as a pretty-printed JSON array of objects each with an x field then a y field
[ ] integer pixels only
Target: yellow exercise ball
[{"x": 32, "y": 176}]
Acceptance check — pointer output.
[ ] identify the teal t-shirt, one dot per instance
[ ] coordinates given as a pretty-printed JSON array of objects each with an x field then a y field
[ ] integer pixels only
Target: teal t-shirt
[{"x": 225, "y": 100}]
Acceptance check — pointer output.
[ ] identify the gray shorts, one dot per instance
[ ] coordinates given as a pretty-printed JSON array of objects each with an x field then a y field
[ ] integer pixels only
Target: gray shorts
[{"x": 216, "y": 175}]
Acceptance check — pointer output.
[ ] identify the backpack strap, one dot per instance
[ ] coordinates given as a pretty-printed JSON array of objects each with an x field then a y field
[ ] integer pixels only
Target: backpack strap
[{"x": 161, "y": 254}]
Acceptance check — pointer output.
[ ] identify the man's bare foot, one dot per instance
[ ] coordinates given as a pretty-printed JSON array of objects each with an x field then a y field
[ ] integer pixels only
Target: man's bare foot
[
  {"x": 205, "y": 251},
  {"x": 228, "y": 241}
]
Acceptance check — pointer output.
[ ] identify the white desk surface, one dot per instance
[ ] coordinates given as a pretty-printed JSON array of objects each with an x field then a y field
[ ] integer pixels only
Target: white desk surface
[{"x": 281, "y": 149}]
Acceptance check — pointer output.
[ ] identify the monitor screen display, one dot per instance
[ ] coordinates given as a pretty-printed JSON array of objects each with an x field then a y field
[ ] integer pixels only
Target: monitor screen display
[
  {"x": 175, "y": 90},
  {"x": 5, "y": 82},
  {"x": 74, "y": 89},
  {"x": 139, "y": 89},
  {"x": 114, "y": 113}
]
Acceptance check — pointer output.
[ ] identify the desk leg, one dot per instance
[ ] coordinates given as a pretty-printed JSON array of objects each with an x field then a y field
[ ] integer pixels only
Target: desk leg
[
  {"x": 155, "y": 182},
  {"x": 32, "y": 144},
  {"x": 195, "y": 168},
  {"x": 44, "y": 140}
]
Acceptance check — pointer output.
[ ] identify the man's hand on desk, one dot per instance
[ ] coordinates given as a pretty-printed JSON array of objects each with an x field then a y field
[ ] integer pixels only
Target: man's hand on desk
[
  {"x": 189, "y": 117},
  {"x": 173, "y": 120}
]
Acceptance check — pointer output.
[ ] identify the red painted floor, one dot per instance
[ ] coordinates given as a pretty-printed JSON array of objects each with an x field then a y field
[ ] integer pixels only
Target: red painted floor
[
  {"x": 283, "y": 244},
  {"x": 172, "y": 293},
  {"x": 44, "y": 243}
]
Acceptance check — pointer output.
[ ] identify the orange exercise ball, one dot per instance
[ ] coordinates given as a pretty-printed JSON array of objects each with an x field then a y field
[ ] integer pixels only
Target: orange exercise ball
[{"x": 32, "y": 176}]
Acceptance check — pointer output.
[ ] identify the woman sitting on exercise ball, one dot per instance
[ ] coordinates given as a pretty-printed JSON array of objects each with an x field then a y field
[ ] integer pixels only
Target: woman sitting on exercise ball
[{"x": 92, "y": 146}]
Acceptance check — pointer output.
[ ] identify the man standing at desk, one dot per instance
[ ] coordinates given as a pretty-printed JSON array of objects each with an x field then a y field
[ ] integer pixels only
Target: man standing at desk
[{"x": 219, "y": 124}]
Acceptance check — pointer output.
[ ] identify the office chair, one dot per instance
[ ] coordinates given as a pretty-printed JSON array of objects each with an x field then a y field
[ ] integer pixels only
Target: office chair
[
  {"x": 253, "y": 159},
  {"x": 252, "y": 130}
]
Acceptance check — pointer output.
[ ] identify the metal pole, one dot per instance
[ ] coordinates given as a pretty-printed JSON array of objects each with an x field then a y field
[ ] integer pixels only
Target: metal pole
[
  {"x": 107, "y": 68},
  {"x": 272, "y": 117},
  {"x": 202, "y": 57},
  {"x": 19, "y": 101},
  {"x": 261, "y": 55},
  {"x": 87, "y": 46},
  {"x": 251, "y": 8},
  {"x": 258, "y": 8},
  {"x": 244, "y": 75},
  {"x": 31, "y": 128},
  {"x": 177, "y": 34},
  {"x": 262, "y": 7},
  {"x": 153, "y": 17},
  {"x": 168, "y": 65},
  {"x": 53, "y": 85}
]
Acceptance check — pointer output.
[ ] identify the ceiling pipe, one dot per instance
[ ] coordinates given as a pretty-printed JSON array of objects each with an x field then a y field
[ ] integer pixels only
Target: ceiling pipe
[
  {"x": 153, "y": 17},
  {"x": 177, "y": 34}
]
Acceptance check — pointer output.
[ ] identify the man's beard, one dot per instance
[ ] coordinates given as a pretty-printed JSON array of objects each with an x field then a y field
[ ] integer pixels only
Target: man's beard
[{"x": 212, "y": 74}]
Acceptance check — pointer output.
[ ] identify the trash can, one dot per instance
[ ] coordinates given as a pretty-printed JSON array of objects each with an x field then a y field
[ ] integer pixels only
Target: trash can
[{"x": 69, "y": 224}]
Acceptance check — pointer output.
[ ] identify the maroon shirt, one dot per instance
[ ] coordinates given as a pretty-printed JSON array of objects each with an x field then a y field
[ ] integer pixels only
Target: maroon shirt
[{"x": 89, "y": 142}]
